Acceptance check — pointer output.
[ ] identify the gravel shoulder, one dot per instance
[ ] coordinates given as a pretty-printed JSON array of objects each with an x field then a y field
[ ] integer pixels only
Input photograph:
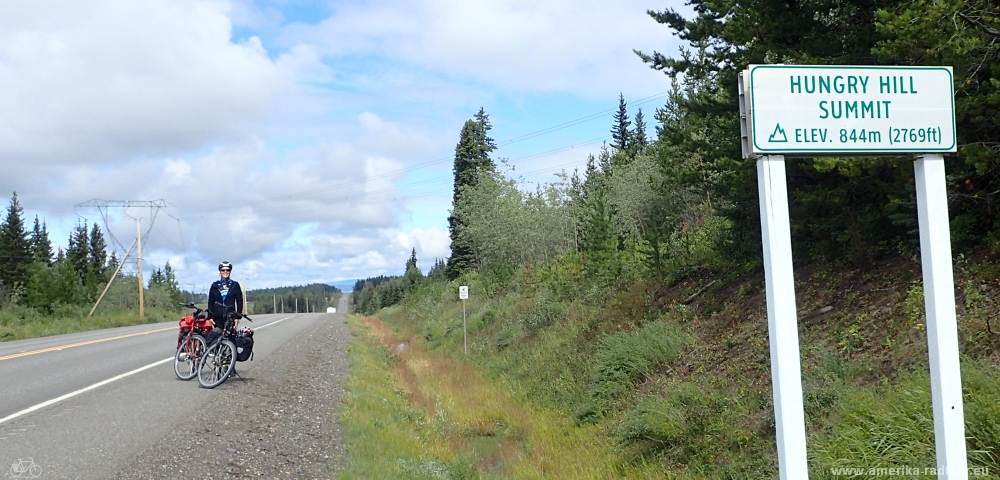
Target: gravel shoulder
[{"x": 286, "y": 422}]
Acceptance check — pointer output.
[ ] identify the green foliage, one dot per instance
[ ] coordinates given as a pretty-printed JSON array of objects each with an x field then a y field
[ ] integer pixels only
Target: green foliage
[
  {"x": 623, "y": 359},
  {"x": 471, "y": 161},
  {"x": 852, "y": 209},
  {"x": 41, "y": 246},
  {"x": 21, "y": 322},
  {"x": 164, "y": 280},
  {"x": 317, "y": 296},
  {"x": 699, "y": 427},
  {"x": 50, "y": 286},
  {"x": 507, "y": 226},
  {"x": 15, "y": 252},
  {"x": 372, "y": 294},
  {"x": 620, "y": 132},
  {"x": 98, "y": 254},
  {"x": 894, "y": 426},
  {"x": 438, "y": 272},
  {"x": 78, "y": 254},
  {"x": 962, "y": 34}
]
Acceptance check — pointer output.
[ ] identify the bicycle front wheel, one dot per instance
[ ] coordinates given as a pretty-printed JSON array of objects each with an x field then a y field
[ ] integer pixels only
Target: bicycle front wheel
[
  {"x": 217, "y": 364},
  {"x": 187, "y": 356}
]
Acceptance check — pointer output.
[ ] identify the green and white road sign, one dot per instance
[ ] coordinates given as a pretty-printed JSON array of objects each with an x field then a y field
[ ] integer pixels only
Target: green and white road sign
[{"x": 804, "y": 110}]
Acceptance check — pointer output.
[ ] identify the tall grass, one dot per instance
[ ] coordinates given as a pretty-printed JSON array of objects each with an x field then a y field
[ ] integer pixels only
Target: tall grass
[
  {"x": 412, "y": 414},
  {"x": 19, "y": 323},
  {"x": 683, "y": 391}
]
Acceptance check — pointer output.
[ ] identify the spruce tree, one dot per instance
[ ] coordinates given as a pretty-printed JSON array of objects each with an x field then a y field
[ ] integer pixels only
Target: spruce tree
[
  {"x": 412, "y": 262},
  {"x": 78, "y": 252},
  {"x": 620, "y": 131},
  {"x": 113, "y": 262},
  {"x": 472, "y": 156},
  {"x": 170, "y": 280},
  {"x": 98, "y": 251},
  {"x": 439, "y": 271},
  {"x": 41, "y": 246},
  {"x": 15, "y": 247},
  {"x": 639, "y": 140}
]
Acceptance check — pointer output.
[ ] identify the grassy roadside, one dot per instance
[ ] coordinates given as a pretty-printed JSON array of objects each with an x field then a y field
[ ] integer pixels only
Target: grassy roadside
[
  {"x": 18, "y": 323},
  {"x": 675, "y": 380},
  {"x": 410, "y": 414}
]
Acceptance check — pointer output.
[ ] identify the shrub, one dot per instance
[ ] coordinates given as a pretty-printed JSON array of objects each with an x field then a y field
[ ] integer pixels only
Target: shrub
[
  {"x": 625, "y": 358},
  {"x": 893, "y": 426}
]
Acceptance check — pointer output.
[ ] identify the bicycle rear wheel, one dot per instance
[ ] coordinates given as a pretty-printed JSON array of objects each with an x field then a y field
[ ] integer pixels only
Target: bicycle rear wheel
[
  {"x": 187, "y": 356},
  {"x": 217, "y": 364}
]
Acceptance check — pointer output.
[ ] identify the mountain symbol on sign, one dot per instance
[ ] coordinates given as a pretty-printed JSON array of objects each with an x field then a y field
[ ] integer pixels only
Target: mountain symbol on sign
[{"x": 778, "y": 135}]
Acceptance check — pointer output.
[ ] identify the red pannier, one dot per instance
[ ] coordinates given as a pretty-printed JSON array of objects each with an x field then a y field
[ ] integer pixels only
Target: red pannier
[{"x": 200, "y": 326}]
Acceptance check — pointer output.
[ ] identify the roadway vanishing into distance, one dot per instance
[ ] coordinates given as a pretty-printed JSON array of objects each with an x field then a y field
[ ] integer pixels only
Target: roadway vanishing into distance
[{"x": 82, "y": 405}]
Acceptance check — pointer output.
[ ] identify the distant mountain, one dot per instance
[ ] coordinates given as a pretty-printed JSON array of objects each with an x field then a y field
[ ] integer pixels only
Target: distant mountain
[{"x": 344, "y": 285}]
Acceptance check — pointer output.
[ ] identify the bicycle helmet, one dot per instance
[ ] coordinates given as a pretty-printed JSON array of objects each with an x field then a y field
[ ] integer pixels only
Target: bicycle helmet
[{"x": 225, "y": 265}]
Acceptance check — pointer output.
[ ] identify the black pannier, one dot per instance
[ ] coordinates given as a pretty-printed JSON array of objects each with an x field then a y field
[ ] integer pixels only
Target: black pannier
[{"x": 244, "y": 347}]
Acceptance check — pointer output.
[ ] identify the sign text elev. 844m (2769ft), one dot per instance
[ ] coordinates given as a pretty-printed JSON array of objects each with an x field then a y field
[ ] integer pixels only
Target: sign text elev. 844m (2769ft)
[{"x": 809, "y": 110}]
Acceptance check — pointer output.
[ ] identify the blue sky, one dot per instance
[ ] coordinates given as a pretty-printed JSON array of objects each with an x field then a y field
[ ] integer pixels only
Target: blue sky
[{"x": 303, "y": 141}]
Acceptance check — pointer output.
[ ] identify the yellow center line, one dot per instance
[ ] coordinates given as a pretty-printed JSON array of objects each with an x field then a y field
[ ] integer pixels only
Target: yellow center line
[{"x": 80, "y": 344}]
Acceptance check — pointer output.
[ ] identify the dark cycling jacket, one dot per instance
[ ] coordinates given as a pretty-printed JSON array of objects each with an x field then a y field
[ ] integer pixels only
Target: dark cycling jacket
[{"x": 228, "y": 293}]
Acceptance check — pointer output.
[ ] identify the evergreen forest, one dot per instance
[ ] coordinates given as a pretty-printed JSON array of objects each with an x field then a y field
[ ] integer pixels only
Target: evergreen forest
[
  {"x": 46, "y": 292},
  {"x": 315, "y": 297}
]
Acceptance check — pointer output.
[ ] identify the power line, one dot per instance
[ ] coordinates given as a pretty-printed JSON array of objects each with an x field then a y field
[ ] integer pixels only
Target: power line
[
  {"x": 345, "y": 200},
  {"x": 440, "y": 160}
]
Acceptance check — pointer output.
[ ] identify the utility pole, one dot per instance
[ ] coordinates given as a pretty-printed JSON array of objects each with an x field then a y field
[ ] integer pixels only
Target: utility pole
[
  {"x": 274, "y": 303},
  {"x": 307, "y": 304},
  {"x": 112, "y": 279},
  {"x": 296, "y": 304},
  {"x": 104, "y": 207},
  {"x": 138, "y": 242},
  {"x": 243, "y": 286}
]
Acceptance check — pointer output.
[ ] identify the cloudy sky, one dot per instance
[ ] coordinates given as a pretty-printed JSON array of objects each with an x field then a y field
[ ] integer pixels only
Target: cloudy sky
[{"x": 305, "y": 141}]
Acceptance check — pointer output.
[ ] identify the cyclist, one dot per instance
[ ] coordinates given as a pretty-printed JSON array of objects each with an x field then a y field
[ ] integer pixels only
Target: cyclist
[{"x": 225, "y": 291}]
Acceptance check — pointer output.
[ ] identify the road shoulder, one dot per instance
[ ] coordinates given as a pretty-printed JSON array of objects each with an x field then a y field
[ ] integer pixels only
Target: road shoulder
[{"x": 282, "y": 421}]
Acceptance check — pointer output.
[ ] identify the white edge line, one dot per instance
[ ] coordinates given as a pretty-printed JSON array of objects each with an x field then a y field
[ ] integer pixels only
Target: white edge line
[
  {"x": 82, "y": 390},
  {"x": 268, "y": 325},
  {"x": 102, "y": 383}
]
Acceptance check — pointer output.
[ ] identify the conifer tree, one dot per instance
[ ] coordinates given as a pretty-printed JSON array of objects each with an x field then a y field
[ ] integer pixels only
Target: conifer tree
[
  {"x": 412, "y": 262},
  {"x": 113, "y": 262},
  {"x": 438, "y": 271},
  {"x": 472, "y": 156},
  {"x": 98, "y": 250},
  {"x": 15, "y": 247},
  {"x": 620, "y": 131},
  {"x": 638, "y": 136},
  {"x": 157, "y": 278},
  {"x": 78, "y": 252},
  {"x": 41, "y": 246}
]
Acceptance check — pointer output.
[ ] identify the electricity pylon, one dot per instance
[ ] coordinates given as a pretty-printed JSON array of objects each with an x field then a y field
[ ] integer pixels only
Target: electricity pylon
[{"x": 104, "y": 207}]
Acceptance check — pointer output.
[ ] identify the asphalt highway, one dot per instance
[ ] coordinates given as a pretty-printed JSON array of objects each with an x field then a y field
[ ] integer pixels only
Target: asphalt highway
[{"x": 82, "y": 405}]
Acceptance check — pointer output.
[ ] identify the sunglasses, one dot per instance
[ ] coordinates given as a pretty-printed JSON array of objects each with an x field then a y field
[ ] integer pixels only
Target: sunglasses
[{"x": 225, "y": 270}]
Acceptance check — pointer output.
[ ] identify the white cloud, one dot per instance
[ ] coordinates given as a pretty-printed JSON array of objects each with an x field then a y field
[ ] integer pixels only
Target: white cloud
[
  {"x": 552, "y": 45},
  {"x": 292, "y": 164},
  {"x": 106, "y": 80}
]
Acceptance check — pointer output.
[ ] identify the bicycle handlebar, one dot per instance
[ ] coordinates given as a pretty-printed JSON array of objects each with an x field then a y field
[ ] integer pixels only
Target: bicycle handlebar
[
  {"x": 235, "y": 314},
  {"x": 198, "y": 312}
]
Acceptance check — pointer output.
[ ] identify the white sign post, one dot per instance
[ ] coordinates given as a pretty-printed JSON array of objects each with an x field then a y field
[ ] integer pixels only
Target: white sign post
[
  {"x": 808, "y": 111},
  {"x": 463, "y": 293}
]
